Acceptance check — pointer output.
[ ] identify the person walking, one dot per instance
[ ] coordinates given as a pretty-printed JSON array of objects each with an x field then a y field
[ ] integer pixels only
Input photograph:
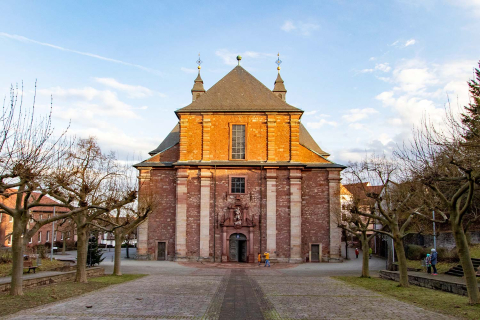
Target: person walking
[
  {"x": 370, "y": 251},
  {"x": 267, "y": 259},
  {"x": 357, "y": 252},
  {"x": 259, "y": 259},
  {"x": 428, "y": 263},
  {"x": 434, "y": 260}
]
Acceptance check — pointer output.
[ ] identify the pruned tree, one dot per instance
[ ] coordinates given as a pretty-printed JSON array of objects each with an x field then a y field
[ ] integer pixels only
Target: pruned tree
[
  {"x": 29, "y": 151},
  {"x": 358, "y": 225},
  {"x": 445, "y": 160},
  {"x": 397, "y": 204},
  {"x": 122, "y": 222},
  {"x": 92, "y": 184}
]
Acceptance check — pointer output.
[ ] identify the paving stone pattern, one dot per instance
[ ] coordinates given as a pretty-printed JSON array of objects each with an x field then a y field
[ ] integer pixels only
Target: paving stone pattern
[{"x": 214, "y": 293}]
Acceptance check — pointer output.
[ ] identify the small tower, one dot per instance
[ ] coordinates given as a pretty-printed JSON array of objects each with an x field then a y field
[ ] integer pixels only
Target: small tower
[
  {"x": 198, "y": 88},
  {"x": 279, "y": 88}
]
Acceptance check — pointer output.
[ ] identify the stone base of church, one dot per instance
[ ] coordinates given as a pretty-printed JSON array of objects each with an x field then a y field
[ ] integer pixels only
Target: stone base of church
[{"x": 295, "y": 260}]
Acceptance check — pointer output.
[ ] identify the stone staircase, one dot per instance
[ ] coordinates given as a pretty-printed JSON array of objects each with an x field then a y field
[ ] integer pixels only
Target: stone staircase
[{"x": 458, "y": 270}]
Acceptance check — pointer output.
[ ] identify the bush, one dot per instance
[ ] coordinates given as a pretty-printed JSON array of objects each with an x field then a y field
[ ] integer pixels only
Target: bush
[
  {"x": 447, "y": 255},
  {"x": 414, "y": 252},
  {"x": 41, "y": 251},
  {"x": 5, "y": 256}
]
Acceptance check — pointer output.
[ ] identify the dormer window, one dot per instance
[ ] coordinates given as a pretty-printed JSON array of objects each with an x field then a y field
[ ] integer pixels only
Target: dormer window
[{"x": 238, "y": 142}]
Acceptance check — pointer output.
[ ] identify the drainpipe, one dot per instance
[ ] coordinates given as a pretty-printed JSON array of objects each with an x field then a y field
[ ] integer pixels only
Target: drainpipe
[
  {"x": 261, "y": 205},
  {"x": 214, "y": 211}
]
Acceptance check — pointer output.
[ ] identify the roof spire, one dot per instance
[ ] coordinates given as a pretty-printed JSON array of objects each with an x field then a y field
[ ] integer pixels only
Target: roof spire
[
  {"x": 278, "y": 62},
  {"x": 198, "y": 88},
  {"x": 279, "y": 88}
]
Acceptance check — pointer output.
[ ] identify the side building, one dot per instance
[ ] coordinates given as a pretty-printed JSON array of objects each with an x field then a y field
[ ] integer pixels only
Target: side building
[{"x": 239, "y": 175}]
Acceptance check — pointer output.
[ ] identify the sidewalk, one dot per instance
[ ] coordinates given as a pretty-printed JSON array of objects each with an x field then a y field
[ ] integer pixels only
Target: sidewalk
[
  {"x": 27, "y": 276},
  {"x": 439, "y": 282}
]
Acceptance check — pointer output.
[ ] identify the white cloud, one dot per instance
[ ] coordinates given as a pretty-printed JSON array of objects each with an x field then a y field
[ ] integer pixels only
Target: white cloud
[
  {"x": 309, "y": 113},
  {"x": 472, "y": 5},
  {"x": 90, "y": 101},
  {"x": 383, "y": 67},
  {"x": 288, "y": 26},
  {"x": 372, "y": 59},
  {"x": 357, "y": 126},
  {"x": 92, "y": 55},
  {"x": 303, "y": 28},
  {"x": 355, "y": 115},
  {"x": 187, "y": 70},
  {"x": 229, "y": 57},
  {"x": 410, "y": 42},
  {"x": 321, "y": 123},
  {"x": 132, "y": 91}
]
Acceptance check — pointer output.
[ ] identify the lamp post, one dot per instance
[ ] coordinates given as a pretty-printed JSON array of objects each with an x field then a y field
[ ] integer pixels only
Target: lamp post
[
  {"x": 53, "y": 230},
  {"x": 434, "y": 233}
]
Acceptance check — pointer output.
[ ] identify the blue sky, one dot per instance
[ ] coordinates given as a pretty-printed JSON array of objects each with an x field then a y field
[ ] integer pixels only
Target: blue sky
[{"x": 364, "y": 72}]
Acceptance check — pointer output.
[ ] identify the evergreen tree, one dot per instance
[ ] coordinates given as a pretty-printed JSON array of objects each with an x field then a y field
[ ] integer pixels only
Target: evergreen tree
[
  {"x": 94, "y": 254},
  {"x": 472, "y": 116}
]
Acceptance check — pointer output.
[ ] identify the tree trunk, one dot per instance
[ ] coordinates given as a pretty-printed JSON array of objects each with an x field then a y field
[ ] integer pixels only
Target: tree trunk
[
  {"x": 365, "y": 256},
  {"x": 466, "y": 261},
  {"x": 16, "y": 288},
  {"x": 402, "y": 260},
  {"x": 128, "y": 245},
  {"x": 82, "y": 247},
  {"x": 64, "y": 247},
  {"x": 118, "y": 253}
]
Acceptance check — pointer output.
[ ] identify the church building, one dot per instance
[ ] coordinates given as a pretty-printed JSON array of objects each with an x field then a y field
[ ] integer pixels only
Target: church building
[{"x": 239, "y": 175}]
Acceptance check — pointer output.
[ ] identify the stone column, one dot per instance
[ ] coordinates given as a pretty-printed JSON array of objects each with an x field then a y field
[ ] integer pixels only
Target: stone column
[
  {"x": 294, "y": 137},
  {"x": 271, "y": 126},
  {"x": 224, "y": 245},
  {"x": 295, "y": 215},
  {"x": 142, "y": 230},
  {"x": 272, "y": 211},
  {"x": 181, "y": 216},
  {"x": 335, "y": 209},
  {"x": 207, "y": 124},
  {"x": 205, "y": 177}
]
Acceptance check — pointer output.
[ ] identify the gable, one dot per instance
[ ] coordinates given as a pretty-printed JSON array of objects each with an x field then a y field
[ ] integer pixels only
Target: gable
[{"x": 238, "y": 91}]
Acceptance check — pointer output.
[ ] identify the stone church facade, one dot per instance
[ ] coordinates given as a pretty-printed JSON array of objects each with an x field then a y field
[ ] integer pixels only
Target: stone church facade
[{"x": 238, "y": 175}]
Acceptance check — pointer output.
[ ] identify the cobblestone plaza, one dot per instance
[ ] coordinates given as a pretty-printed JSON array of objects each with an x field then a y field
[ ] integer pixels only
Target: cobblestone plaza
[{"x": 173, "y": 291}]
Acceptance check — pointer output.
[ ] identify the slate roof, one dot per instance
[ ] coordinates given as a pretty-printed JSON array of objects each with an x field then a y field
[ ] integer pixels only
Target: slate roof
[
  {"x": 172, "y": 139},
  {"x": 307, "y": 141},
  {"x": 238, "y": 91}
]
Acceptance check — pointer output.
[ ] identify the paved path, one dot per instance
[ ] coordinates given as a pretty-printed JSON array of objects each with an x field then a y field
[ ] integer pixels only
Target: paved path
[{"x": 172, "y": 291}]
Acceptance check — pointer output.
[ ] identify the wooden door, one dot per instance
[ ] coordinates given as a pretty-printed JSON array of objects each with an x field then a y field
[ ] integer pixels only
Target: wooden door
[
  {"x": 315, "y": 253},
  {"x": 161, "y": 251}
]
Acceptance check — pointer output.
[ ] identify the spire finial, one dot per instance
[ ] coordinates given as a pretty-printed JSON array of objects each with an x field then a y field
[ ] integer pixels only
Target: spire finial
[
  {"x": 239, "y": 57},
  {"x": 278, "y": 62},
  {"x": 199, "y": 62}
]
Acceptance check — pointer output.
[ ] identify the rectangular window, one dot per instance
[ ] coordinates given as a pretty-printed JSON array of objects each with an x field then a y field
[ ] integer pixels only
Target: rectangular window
[
  {"x": 237, "y": 185},
  {"x": 31, "y": 240},
  {"x": 68, "y": 235},
  {"x": 11, "y": 219},
  {"x": 40, "y": 236},
  {"x": 40, "y": 217},
  {"x": 54, "y": 236},
  {"x": 10, "y": 239},
  {"x": 48, "y": 236},
  {"x": 61, "y": 236},
  {"x": 238, "y": 142}
]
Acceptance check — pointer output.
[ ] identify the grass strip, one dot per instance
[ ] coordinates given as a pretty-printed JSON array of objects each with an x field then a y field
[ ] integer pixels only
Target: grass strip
[
  {"x": 39, "y": 296},
  {"x": 429, "y": 299}
]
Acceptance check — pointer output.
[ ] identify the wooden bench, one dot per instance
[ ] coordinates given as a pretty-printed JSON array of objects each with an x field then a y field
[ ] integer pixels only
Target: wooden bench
[{"x": 27, "y": 264}]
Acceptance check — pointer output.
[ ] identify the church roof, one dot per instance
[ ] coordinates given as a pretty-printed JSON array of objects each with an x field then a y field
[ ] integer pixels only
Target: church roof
[
  {"x": 172, "y": 139},
  {"x": 238, "y": 91},
  {"x": 308, "y": 142},
  {"x": 279, "y": 84}
]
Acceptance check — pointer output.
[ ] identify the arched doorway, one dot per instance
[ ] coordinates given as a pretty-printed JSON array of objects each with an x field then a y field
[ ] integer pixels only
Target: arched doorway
[{"x": 238, "y": 247}]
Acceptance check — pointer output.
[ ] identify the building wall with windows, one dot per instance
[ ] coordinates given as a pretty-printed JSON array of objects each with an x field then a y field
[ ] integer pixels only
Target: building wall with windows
[{"x": 239, "y": 175}]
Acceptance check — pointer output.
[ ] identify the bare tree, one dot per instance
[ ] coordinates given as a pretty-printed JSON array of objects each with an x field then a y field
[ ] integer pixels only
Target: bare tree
[
  {"x": 359, "y": 225},
  {"x": 29, "y": 151},
  {"x": 91, "y": 184},
  {"x": 446, "y": 162},
  {"x": 398, "y": 203}
]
